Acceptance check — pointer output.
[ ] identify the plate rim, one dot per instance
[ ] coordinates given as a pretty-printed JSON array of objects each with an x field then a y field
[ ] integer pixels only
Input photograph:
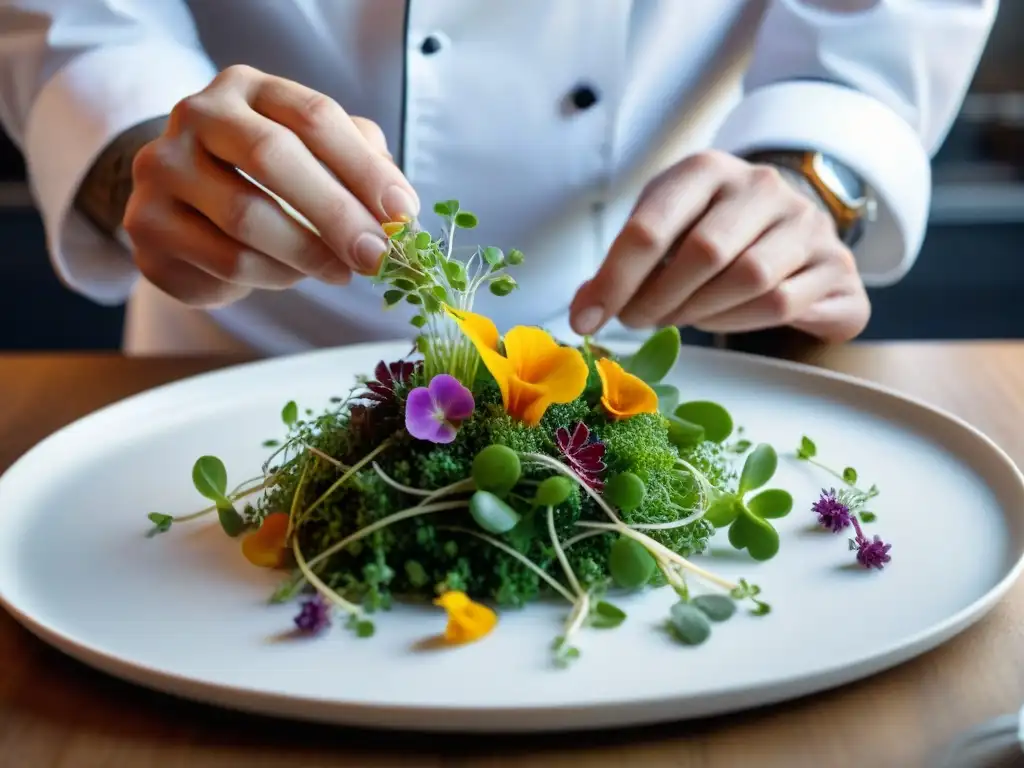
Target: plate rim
[{"x": 620, "y": 712}]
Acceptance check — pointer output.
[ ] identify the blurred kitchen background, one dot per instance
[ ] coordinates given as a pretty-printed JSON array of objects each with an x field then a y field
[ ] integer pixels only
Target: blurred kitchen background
[{"x": 967, "y": 282}]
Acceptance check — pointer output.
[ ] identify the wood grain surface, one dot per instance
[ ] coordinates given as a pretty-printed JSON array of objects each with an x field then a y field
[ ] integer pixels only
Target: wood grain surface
[{"x": 57, "y": 712}]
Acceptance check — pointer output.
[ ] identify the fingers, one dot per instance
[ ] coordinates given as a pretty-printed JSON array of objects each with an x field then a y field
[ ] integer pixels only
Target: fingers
[
  {"x": 776, "y": 255},
  {"x": 738, "y": 217},
  {"x": 669, "y": 207},
  {"x": 252, "y": 218},
  {"x": 189, "y": 285},
  {"x": 781, "y": 306},
  {"x": 837, "y": 319}
]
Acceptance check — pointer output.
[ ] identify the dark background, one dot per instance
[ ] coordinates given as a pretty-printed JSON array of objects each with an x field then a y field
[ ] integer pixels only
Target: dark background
[{"x": 965, "y": 284}]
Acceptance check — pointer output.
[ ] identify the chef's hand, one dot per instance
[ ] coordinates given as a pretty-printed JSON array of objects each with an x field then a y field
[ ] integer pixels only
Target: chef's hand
[
  {"x": 725, "y": 246},
  {"x": 207, "y": 236}
]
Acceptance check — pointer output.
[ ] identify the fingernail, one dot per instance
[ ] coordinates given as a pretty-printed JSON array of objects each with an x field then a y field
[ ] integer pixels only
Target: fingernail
[
  {"x": 336, "y": 272},
  {"x": 589, "y": 320},
  {"x": 368, "y": 251},
  {"x": 399, "y": 204}
]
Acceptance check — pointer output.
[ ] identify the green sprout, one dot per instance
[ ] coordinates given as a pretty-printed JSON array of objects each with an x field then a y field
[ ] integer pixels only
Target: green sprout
[{"x": 854, "y": 496}]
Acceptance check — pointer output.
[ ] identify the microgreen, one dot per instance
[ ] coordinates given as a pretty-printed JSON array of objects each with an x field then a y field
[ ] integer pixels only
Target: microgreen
[
  {"x": 630, "y": 564},
  {"x": 698, "y": 420},
  {"x": 856, "y": 496},
  {"x": 290, "y": 413},
  {"x": 656, "y": 356},
  {"x": 491, "y": 513},
  {"x": 606, "y": 616},
  {"x": 496, "y": 469},
  {"x": 748, "y": 518}
]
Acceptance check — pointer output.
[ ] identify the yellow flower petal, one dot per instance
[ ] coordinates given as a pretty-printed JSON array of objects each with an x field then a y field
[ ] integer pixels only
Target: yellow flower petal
[
  {"x": 390, "y": 227},
  {"x": 265, "y": 546},
  {"x": 624, "y": 394},
  {"x": 467, "y": 621},
  {"x": 484, "y": 335}
]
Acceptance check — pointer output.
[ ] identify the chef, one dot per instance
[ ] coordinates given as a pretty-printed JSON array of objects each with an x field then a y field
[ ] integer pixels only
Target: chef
[{"x": 224, "y": 166}]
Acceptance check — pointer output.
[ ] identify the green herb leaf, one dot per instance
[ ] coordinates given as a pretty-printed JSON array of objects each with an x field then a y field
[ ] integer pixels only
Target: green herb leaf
[
  {"x": 755, "y": 535},
  {"x": 503, "y": 285},
  {"x": 422, "y": 240},
  {"x": 465, "y": 220},
  {"x": 290, "y": 413},
  {"x": 868, "y": 517},
  {"x": 391, "y": 298},
  {"x": 162, "y": 522},
  {"x": 492, "y": 255},
  {"x": 758, "y": 468},
  {"x": 850, "y": 476},
  {"x": 656, "y": 356},
  {"x": 415, "y": 299},
  {"x": 415, "y": 573},
  {"x": 230, "y": 520},
  {"x": 741, "y": 446},
  {"x": 606, "y": 616},
  {"x": 689, "y": 625},
  {"x": 553, "y": 491},
  {"x": 515, "y": 257},
  {"x": 683, "y": 434},
  {"x": 446, "y": 208},
  {"x": 455, "y": 272},
  {"x": 715, "y": 607},
  {"x": 364, "y": 628},
  {"x": 496, "y": 469},
  {"x": 772, "y": 503},
  {"x": 210, "y": 478},
  {"x": 715, "y": 420},
  {"x": 807, "y": 449},
  {"x": 668, "y": 398},
  {"x": 418, "y": 321},
  {"x": 723, "y": 511},
  {"x": 625, "y": 491},
  {"x": 270, "y": 443},
  {"x": 491, "y": 513},
  {"x": 630, "y": 564}
]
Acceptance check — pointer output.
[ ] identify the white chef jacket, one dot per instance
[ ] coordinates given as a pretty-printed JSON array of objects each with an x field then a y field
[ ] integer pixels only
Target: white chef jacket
[{"x": 484, "y": 113}]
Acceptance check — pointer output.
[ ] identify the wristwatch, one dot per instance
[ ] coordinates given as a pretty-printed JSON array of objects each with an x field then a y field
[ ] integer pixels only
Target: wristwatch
[{"x": 839, "y": 190}]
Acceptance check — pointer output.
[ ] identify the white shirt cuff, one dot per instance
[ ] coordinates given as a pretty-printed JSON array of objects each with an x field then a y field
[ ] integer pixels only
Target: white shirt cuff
[
  {"x": 863, "y": 134},
  {"x": 84, "y": 106}
]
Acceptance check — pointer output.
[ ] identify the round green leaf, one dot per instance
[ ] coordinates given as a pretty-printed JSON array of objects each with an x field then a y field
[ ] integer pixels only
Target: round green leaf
[
  {"x": 210, "y": 477},
  {"x": 807, "y": 449},
  {"x": 491, "y": 513},
  {"x": 455, "y": 272},
  {"x": 422, "y": 240},
  {"x": 503, "y": 285},
  {"x": 714, "y": 418},
  {"x": 364, "y": 628},
  {"x": 683, "y": 434},
  {"x": 723, "y": 511},
  {"x": 656, "y": 356},
  {"x": 465, "y": 220},
  {"x": 715, "y": 607},
  {"x": 850, "y": 476},
  {"x": 393, "y": 297},
  {"x": 230, "y": 520},
  {"x": 415, "y": 573},
  {"x": 553, "y": 491},
  {"x": 630, "y": 564},
  {"x": 758, "y": 468},
  {"x": 492, "y": 255},
  {"x": 290, "y": 413},
  {"x": 772, "y": 503},
  {"x": 418, "y": 321},
  {"x": 754, "y": 535},
  {"x": 496, "y": 469},
  {"x": 515, "y": 257},
  {"x": 162, "y": 522},
  {"x": 625, "y": 491},
  {"x": 606, "y": 616},
  {"x": 668, "y": 398},
  {"x": 689, "y": 624}
]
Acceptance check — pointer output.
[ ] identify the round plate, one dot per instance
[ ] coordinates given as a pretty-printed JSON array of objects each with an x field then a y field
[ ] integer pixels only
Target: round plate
[{"x": 186, "y": 614}]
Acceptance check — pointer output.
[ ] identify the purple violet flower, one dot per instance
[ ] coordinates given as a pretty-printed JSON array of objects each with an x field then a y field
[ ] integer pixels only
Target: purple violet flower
[
  {"x": 870, "y": 553},
  {"x": 584, "y": 452},
  {"x": 831, "y": 511},
  {"x": 314, "y": 616},
  {"x": 434, "y": 412}
]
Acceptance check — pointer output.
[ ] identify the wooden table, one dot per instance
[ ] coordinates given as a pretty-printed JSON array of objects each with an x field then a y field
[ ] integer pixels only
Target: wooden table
[{"x": 57, "y": 712}]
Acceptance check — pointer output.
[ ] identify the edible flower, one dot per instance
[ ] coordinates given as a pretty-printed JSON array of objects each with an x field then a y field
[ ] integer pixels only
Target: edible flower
[
  {"x": 314, "y": 616},
  {"x": 392, "y": 227},
  {"x": 266, "y": 546},
  {"x": 623, "y": 394},
  {"x": 388, "y": 378},
  {"x": 833, "y": 513},
  {"x": 467, "y": 621},
  {"x": 534, "y": 373},
  {"x": 434, "y": 412},
  {"x": 871, "y": 553},
  {"x": 584, "y": 453}
]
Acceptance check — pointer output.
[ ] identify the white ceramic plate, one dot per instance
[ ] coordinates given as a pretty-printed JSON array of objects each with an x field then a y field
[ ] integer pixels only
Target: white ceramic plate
[{"x": 186, "y": 614}]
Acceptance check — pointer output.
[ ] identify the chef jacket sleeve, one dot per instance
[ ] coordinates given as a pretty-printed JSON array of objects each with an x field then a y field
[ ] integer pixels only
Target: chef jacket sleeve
[
  {"x": 75, "y": 74},
  {"x": 874, "y": 83}
]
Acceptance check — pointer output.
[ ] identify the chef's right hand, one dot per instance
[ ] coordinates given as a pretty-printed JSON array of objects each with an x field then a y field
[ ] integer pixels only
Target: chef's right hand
[{"x": 208, "y": 236}]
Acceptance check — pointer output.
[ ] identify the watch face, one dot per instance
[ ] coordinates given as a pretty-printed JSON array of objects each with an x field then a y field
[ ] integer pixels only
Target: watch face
[{"x": 842, "y": 182}]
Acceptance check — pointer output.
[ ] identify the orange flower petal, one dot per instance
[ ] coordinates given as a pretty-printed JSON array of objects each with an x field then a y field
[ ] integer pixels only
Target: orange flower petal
[
  {"x": 539, "y": 359},
  {"x": 390, "y": 227},
  {"x": 265, "y": 546},
  {"x": 467, "y": 621},
  {"x": 484, "y": 335},
  {"x": 624, "y": 394}
]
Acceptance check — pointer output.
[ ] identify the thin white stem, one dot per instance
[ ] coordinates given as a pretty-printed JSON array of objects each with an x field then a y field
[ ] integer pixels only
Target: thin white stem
[
  {"x": 560, "y": 554},
  {"x": 319, "y": 586},
  {"x": 578, "y": 616},
  {"x": 663, "y": 551},
  {"x": 234, "y": 496},
  {"x": 345, "y": 477},
  {"x": 517, "y": 555},
  {"x": 327, "y": 457},
  {"x": 408, "y": 489},
  {"x": 296, "y": 499},
  {"x": 667, "y": 526},
  {"x": 405, "y": 514},
  {"x": 576, "y": 539},
  {"x": 547, "y": 461}
]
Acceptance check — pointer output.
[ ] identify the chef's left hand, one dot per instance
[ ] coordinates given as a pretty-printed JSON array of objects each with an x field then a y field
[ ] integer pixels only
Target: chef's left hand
[{"x": 726, "y": 246}]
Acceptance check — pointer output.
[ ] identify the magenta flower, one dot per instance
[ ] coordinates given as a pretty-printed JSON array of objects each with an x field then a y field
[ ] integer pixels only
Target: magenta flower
[
  {"x": 314, "y": 616},
  {"x": 832, "y": 513},
  {"x": 389, "y": 378},
  {"x": 872, "y": 553},
  {"x": 584, "y": 453},
  {"x": 434, "y": 412}
]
